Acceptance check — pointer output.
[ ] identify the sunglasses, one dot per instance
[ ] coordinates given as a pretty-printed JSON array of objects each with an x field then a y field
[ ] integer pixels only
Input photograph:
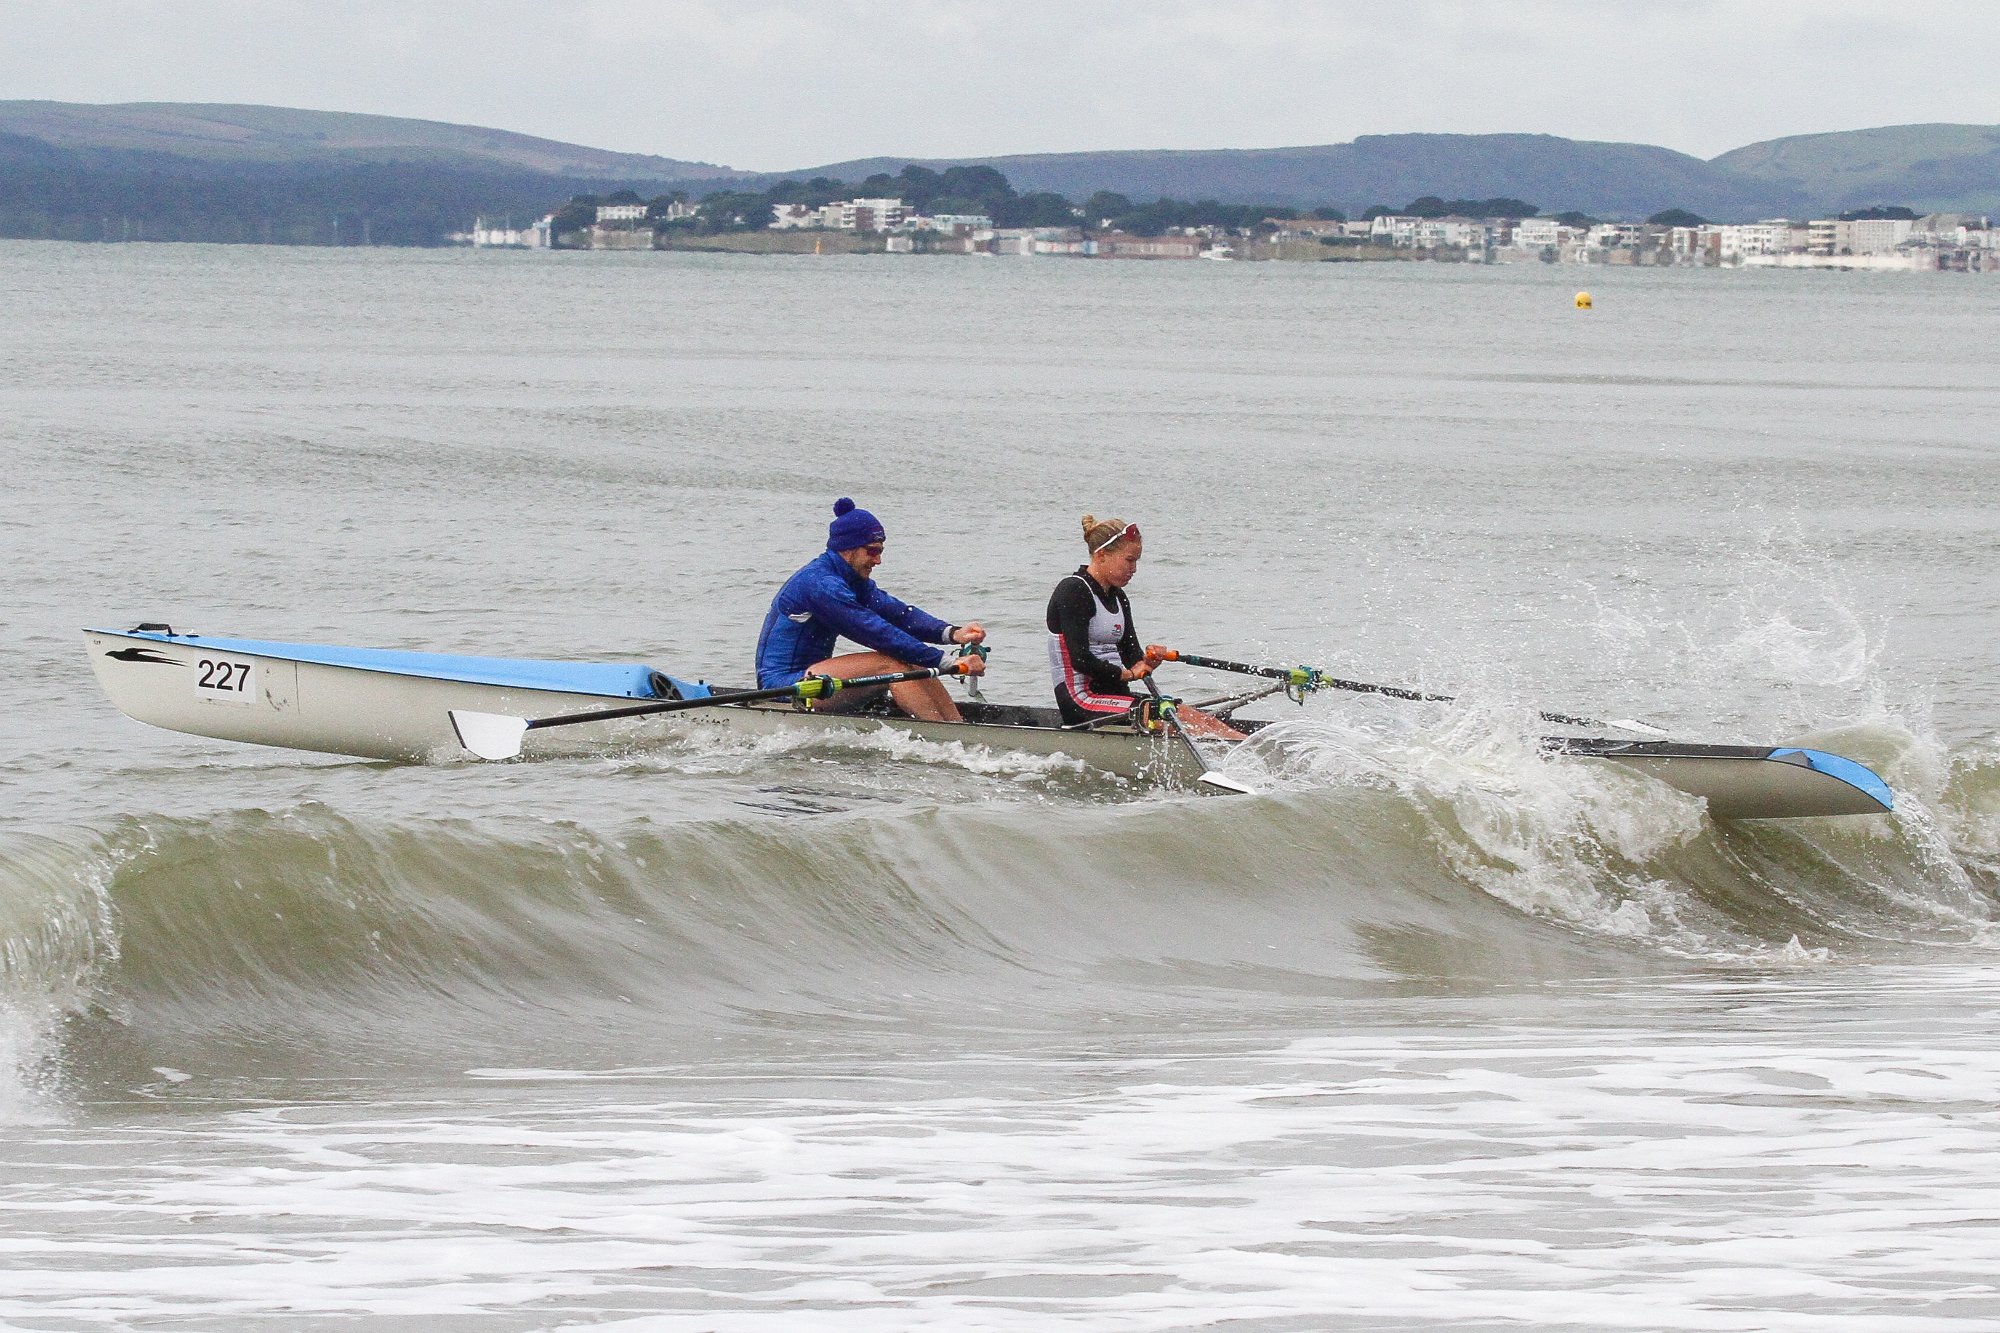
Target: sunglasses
[
  {"x": 875, "y": 550},
  {"x": 1129, "y": 532}
]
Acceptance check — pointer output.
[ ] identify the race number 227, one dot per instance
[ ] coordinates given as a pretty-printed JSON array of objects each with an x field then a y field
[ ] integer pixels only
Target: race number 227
[{"x": 219, "y": 678}]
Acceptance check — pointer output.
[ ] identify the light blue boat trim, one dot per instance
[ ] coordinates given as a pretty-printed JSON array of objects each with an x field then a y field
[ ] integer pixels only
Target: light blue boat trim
[
  {"x": 1858, "y": 776},
  {"x": 618, "y": 680}
]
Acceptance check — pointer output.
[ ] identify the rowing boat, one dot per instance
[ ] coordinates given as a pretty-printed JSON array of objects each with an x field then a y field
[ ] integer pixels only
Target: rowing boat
[{"x": 389, "y": 704}]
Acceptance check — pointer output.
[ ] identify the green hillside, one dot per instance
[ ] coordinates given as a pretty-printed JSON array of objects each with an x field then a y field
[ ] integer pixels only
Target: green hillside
[
  {"x": 1607, "y": 179},
  {"x": 286, "y": 136},
  {"x": 1931, "y": 168},
  {"x": 172, "y": 172}
]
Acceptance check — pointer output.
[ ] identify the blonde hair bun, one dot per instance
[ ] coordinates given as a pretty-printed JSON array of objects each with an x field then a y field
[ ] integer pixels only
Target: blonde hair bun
[{"x": 1098, "y": 532}]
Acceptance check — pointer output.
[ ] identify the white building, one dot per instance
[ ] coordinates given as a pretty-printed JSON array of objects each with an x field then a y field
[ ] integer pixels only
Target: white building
[
  {"x": 1434, "y": 233},
  {"x": 620, "y": 213},
  {"x": 1427, "y": 233},
  {"x": 1776, "y": 236},
  {"x": 1966, "y": 233},
  {"x": 1875, "y": 236},
  {"x": 1695, "y": 245},
  {"x": 1391, "y": 229},
  {"x": 870, "y": 214},
  {"x": 849, "y": 215},
  {"x": 1538, "y": 233},
  {"x": 1305, "y": 229},
  {"x": 1864, "y": 236},
  {"x": 787, "y": 216},
  {"x": 505, "y": 235}
]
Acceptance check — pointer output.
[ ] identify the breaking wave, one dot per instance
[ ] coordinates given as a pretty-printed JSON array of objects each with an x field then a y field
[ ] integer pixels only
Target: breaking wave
[{"x": 1457, "y": 857}]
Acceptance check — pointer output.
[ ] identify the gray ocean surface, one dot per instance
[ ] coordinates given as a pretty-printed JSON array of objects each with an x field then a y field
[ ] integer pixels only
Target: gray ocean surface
[{"x": 1436, "y": 1033}]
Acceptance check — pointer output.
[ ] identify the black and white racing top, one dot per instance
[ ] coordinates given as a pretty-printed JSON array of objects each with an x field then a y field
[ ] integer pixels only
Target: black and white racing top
[{"x": 1091, "y": 642}]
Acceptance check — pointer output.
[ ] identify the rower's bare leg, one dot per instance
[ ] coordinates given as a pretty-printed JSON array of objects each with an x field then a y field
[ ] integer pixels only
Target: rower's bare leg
[{"x": 925, "y": 700}]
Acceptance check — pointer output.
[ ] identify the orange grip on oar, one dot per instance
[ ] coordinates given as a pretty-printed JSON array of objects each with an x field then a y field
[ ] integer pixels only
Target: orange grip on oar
[{"x": 1162, "y": 652}]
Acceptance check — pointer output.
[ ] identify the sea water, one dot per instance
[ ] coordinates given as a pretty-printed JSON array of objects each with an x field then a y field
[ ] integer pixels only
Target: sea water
[{"x": 1436, "y": 1032}]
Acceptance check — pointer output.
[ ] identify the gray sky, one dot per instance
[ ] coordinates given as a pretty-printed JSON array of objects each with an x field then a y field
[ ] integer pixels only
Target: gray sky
[{"x": 777, "y": 84}]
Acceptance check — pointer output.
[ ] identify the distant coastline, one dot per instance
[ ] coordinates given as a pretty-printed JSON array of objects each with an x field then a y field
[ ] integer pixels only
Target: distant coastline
[
  {"x": 275, "y": 175},
  {"x": 973, "y": 211}
]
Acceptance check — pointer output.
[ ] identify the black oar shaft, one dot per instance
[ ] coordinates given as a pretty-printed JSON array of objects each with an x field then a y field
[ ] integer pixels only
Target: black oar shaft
[
  {"x": 1170, "y": 715},
  {"x": 812, "y": 687},
  {"x": 1219, "y": 664},
  {"x": 1394, "y": 692},
  {"x": 1311, "y": 678},
  {"x": 1570, "y": 720},
  {"x": 1306, "y": 677}
]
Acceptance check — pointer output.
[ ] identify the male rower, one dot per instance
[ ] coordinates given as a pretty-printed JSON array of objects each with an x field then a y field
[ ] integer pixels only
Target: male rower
[{"x": 834, "y": 595}]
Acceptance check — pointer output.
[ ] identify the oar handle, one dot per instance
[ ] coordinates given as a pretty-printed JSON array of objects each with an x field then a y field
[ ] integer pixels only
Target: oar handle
[{"x": 971, "y": 682}]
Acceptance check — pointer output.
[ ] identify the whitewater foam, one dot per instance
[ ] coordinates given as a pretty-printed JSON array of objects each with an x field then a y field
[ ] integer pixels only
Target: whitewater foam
[{"x": 1578, "y": 1177}]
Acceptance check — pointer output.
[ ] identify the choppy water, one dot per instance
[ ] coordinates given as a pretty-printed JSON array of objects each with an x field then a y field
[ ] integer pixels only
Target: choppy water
[{"x": 1436, "y": 1034}]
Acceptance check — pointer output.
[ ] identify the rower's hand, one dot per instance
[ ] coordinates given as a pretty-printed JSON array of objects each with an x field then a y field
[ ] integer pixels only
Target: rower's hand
[
  {"x": 969, "y": 634},
  {"x": 972, "y": 664},
  {"x": 1138, "y": 670}
]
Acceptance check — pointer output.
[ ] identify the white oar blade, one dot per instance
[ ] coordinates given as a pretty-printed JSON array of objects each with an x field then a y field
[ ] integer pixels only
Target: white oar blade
[
  {"x": 489, "y": 735},
  {"x": 1643, "y": 728},
  {"x": 1221, "y": 783}
]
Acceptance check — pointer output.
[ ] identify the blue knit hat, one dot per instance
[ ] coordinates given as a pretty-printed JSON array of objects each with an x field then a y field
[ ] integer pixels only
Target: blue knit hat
[{"x": 851, "y": 527}]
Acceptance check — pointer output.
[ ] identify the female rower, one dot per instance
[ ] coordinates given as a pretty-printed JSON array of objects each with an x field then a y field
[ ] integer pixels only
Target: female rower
[{"x": 1094, "y": 652}]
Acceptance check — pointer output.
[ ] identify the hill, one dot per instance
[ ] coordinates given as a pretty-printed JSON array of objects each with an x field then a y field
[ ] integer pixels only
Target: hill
[
  {"x": 170, "y": 172},
  {"x": 1931, "y": 168},
  {"x": 285, "y": 136},
  {"x": 1607, "y": 179}
]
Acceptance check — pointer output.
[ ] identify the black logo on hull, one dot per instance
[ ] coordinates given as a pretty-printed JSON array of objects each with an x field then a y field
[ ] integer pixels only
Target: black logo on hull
[{"x": 143, "y": 655}]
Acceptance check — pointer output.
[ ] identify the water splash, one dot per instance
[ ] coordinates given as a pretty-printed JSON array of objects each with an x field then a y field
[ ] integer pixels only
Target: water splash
[{"x": 58, "y": 941}]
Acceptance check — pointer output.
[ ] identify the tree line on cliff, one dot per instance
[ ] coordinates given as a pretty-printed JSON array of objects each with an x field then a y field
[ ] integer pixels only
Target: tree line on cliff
[{"x": 976, "y": 191}]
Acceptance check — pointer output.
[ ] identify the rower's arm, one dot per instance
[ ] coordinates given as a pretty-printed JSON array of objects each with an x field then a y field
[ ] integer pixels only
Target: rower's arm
[
  {"x": 859, "y": 621},
  {"x": 913, "y": 620}
]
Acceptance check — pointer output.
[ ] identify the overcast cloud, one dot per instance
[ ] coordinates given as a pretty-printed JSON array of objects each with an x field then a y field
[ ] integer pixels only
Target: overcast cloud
[{"x": 778, "y": 84}]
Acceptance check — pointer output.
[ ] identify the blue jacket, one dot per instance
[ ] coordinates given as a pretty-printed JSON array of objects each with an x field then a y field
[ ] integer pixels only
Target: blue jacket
[{"x": 827, "y": 599}]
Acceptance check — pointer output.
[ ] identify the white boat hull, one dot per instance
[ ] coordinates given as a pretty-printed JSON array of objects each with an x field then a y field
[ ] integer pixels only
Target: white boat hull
[
  {"x": 389, "y": 715},
  {"x": 310, "y": 706},
  {"x": 397, "y": 706}
]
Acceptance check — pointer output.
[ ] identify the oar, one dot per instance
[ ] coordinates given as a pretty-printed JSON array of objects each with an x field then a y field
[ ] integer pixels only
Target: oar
[
  {"x": 1304, "y": 678},
  {"x": 1173, "y": 721},
  {"x": 498, "y": 736}
]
